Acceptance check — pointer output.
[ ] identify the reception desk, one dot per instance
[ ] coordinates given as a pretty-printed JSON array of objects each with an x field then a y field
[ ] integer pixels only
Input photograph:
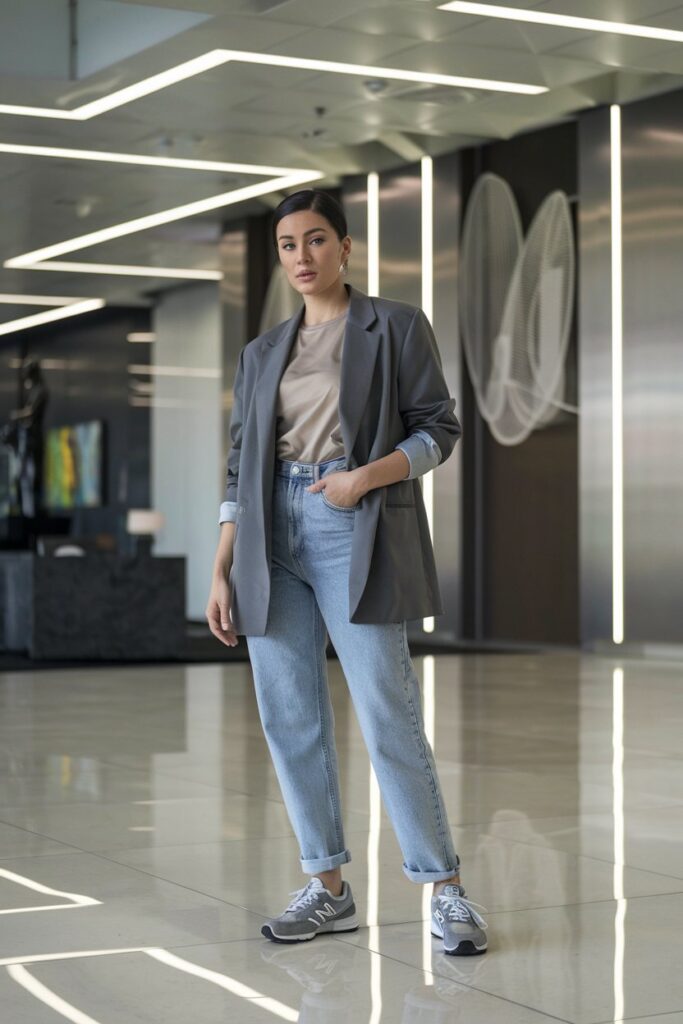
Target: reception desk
[{"x": 99, "y": 606}]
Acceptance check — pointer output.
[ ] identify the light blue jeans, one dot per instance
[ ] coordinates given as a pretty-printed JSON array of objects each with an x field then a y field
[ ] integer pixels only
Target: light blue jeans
[{"x": 311, "y": 550}]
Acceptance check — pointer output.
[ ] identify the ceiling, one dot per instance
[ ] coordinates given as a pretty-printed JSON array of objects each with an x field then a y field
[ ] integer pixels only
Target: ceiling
[{"x": 252, "y": 113}]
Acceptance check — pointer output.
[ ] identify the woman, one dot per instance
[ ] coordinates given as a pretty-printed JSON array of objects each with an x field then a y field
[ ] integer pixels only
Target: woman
[{"x": 336, "y": 413}]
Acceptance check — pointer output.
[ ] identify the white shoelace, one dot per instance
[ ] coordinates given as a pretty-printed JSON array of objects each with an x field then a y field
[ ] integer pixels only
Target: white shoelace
[
  {"x": 457, "y": 908},
  {"x": 303, "y": 897}
]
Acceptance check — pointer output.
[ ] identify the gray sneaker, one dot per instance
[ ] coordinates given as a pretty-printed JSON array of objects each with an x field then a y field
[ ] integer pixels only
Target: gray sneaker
[
  {"x": 455, "y": 920},
  {"x": 313, "y": 910}
]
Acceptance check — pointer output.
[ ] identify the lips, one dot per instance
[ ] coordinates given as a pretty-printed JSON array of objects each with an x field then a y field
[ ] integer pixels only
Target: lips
[{"x": 308, "y": 273}]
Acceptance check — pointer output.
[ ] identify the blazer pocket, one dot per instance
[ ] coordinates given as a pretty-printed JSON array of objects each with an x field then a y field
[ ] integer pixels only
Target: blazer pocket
[{"x": 400, "y": 495}]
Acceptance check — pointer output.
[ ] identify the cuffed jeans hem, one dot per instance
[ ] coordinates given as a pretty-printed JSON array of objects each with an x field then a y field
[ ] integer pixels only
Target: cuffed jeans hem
[
  {"x": 430, "y": 876},
  {"x": 311, "y": 867}
]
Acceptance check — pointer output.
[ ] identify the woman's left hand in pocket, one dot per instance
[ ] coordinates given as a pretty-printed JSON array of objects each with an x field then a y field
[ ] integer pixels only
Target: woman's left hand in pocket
[{"x": 341, "y": 488}]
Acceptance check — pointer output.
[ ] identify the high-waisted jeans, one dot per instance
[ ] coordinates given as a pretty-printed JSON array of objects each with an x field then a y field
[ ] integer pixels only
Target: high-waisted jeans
[{"x": 311, "y": 550}]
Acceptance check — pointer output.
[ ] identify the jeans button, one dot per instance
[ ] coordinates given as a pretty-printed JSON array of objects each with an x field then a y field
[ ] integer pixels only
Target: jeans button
[{"x": 295, "y": 469}]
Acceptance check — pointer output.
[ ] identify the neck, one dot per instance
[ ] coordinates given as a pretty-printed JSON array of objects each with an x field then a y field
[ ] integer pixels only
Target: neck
[{"x": 325, "y": 305}]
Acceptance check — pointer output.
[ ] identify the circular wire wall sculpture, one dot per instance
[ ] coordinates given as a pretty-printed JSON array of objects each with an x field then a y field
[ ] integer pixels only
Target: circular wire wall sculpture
[{"x": 516, "y": 301}]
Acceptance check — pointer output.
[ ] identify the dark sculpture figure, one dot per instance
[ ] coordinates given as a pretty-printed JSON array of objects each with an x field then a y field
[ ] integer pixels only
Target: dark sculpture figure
[{"x": 24, "y": 435}]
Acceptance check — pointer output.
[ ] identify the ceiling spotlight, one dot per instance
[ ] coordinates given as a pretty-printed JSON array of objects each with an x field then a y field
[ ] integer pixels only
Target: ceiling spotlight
[{"x": 375, "y": 85}]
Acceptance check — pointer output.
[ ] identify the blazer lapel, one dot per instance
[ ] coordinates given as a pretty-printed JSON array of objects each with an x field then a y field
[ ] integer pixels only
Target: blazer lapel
[
  {"x": 359, "y": 353},
  {"x": 356, "y": 372}
]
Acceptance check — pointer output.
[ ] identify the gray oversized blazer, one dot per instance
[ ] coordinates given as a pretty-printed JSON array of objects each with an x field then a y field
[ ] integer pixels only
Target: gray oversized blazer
[{"x": 391, "y": 383}]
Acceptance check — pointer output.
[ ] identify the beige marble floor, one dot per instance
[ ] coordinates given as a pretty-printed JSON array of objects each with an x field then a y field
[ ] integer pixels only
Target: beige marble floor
[{"x": 143, "y": 840}]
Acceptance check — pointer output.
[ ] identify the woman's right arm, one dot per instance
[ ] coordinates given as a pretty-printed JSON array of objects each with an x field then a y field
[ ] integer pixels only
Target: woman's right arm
[{"x": 218, "y": 605}]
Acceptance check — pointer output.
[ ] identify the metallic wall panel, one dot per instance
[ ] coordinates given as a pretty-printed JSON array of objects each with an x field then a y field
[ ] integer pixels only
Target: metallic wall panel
[
  {"x": 595, "y": 378},
  {"x": 652, "y": 187},
  {"x": 652, "y": 172},
  {"x": 355, "y": 202},
  {"x": 400, "y": 234}
]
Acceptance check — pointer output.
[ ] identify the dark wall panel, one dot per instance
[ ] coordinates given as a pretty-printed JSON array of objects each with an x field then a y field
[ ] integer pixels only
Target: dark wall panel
[{"x": 521, "y": 502}]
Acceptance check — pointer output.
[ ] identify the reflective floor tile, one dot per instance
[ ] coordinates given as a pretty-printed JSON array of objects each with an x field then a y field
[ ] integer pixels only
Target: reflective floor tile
[
  {"x": 18, "y": 842},
  {"x": 134, "y": 909},
  {"x": 577, "y": 962},
  {"x": 325, "y": 982}
]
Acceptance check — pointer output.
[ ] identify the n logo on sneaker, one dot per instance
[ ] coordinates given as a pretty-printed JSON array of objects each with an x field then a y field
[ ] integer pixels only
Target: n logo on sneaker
[
  {"x": 439, "y": 916},
  {"x": 323, "y": 912}
]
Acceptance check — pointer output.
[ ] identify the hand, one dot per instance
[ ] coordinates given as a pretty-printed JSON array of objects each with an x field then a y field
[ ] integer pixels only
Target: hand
[
  {"x": 218, "y": 612},
  {"x": 342, "y": 488}
]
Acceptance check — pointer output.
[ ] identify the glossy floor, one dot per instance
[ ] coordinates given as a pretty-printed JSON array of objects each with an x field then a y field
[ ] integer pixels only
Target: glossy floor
[{"x": 143, "y": 840}]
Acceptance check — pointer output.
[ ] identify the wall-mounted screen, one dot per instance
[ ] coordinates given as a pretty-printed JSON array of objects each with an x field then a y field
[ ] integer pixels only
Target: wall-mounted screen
[{"x": 74, "y": 466}]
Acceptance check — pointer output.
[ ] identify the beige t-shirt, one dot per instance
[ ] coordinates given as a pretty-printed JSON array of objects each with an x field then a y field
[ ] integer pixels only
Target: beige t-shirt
[{"x": 307, "y": 425}]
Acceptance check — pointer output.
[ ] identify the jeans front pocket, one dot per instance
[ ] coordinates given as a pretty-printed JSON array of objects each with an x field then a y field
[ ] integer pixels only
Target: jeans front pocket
[{"x": 338, "y": 508}]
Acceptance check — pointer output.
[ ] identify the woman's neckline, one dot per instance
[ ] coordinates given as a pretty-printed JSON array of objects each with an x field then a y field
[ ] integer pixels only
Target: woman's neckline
[{"x": 324, "y": 323}]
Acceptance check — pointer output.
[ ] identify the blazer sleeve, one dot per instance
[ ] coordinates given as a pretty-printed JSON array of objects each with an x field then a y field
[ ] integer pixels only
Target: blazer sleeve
[
  {"x": 423, "y": 398},
  {"x": 233, "y": 462}
]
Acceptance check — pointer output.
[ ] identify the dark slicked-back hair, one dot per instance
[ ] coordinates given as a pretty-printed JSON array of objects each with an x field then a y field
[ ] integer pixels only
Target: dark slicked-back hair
[{"x": 311, "y": 199}]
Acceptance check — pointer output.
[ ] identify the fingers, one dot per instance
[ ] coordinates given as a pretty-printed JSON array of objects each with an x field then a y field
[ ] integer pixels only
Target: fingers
[{"x": 218, "y": 618}]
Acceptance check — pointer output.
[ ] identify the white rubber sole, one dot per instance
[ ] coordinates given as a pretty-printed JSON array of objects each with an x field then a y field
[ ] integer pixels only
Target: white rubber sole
[
  {"x": 464, "y": 948},
  {"x": 348, "y": 924}
]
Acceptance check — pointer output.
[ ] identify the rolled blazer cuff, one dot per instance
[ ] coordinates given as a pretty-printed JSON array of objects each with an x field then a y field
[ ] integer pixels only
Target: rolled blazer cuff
[
  {"x": 422, "y": 452},
  {"x": 228, "y": 512}
]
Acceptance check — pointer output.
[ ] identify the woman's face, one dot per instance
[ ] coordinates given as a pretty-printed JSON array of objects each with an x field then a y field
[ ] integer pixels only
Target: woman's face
[{"x": 310, "y": 251}]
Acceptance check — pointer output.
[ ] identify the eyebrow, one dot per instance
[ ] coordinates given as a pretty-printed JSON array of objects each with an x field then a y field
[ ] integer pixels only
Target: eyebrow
[{"x": 309, "y": 232}]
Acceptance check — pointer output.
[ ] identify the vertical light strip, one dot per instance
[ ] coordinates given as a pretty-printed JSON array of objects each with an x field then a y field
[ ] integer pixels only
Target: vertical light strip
[
  {"x": 427, "y": 190},
  {"x": 373, "y": 233},
  {"x": 429, "y": 704},
  {"x": 617, "y": 382},
  {"x": 619, "y": 841},
  {"x": 375, "y": 801}
]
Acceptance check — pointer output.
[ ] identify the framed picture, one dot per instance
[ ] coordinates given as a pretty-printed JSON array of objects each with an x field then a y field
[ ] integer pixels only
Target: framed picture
[{"x": 74, "y": 463}]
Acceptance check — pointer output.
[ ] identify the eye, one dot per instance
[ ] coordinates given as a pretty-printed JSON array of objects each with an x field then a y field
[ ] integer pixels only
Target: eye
[{"x": 319, "y": 238}]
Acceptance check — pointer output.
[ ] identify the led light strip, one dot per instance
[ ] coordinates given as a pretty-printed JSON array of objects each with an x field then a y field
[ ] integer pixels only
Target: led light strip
[
  {"x": 163, "y": 217},
  {"x": 132, "y": 270},
  {"x": 129, "y": 227},
  {"x": 73, "y": 309},
  {"x": 136, "y": 159},
  {"x": 562, "y": 20},
  {"x": 374, "y": 795},
  {"x": 617, "y": 382},
  {"x": 214, "y": 58},
  {"x": 129, "y": 270},
  {"x": 427, "y": 233},
  {"x": 37, "y": 300}
]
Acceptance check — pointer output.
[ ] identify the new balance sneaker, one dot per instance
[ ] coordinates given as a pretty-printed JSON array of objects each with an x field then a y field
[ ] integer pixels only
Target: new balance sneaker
[
  {"x": 455, "y": 920},
  {"x": 313, "y": 910}
]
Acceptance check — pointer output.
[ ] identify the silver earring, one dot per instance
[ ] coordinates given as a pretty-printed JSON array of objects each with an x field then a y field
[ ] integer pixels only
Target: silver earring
[{"x": 343, "y": 268}]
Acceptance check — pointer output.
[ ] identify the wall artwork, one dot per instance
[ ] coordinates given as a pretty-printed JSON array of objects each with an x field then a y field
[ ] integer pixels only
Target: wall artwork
[{"x": 73, "y": 466}]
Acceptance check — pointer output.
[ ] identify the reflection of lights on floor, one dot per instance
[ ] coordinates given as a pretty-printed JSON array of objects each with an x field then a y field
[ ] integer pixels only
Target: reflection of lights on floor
[
  {"x": 373, "y": 900},
  {"x": 428, "y": 700},
  {"x": 17, "y": 970},
  {"x": 619, "y": 840},
  {"x": 77, "y": 901}
]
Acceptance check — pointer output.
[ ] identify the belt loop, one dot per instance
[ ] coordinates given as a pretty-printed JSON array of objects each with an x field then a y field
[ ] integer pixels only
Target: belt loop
[{"x": 316, "y": 472}]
